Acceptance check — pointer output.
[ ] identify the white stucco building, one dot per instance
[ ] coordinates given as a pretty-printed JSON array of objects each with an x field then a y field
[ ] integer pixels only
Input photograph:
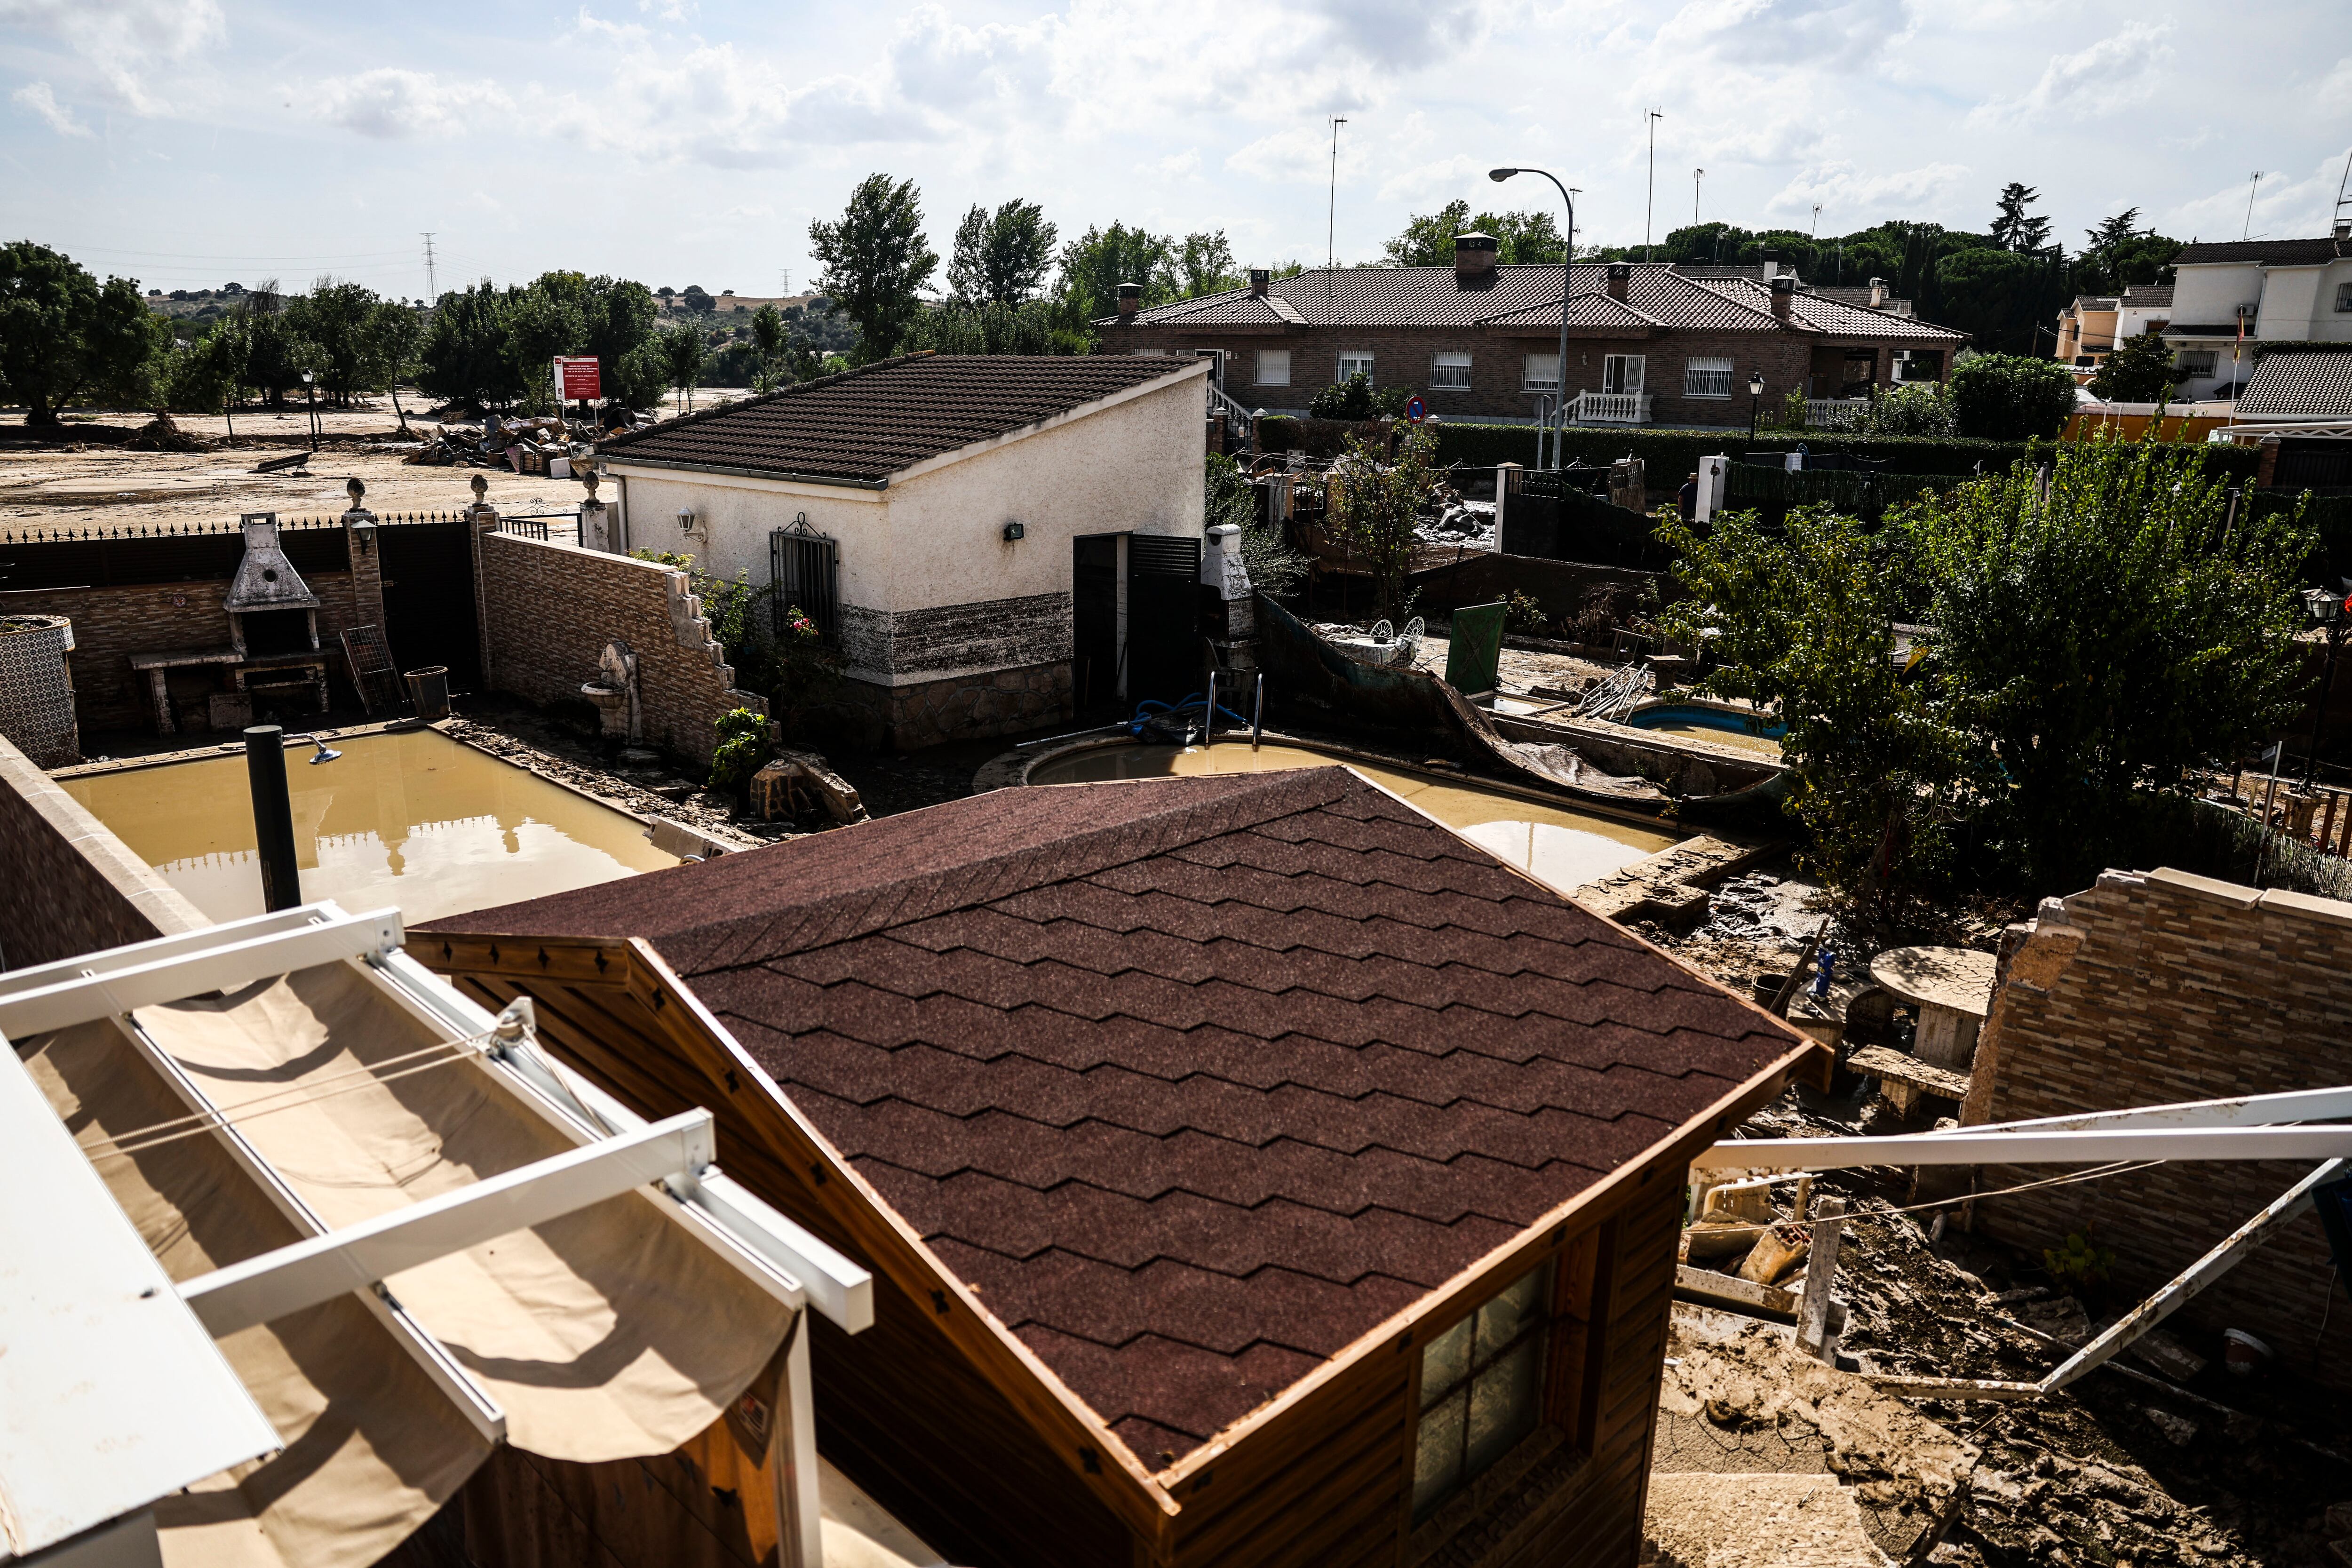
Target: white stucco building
[
  {"x": 2228, "y": 296},
  {"x": 990, "y": 540}
]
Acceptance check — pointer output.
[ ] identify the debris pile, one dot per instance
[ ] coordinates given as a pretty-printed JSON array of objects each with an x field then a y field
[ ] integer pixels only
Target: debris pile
[
  {"x": 161, "y": 434},
  {"x": 528, "y": 443},
  {"x": 1457, "y": 521}
]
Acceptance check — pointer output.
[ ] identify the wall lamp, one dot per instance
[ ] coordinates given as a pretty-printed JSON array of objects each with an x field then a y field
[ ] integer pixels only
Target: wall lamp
[
  {"x": 686, "y": 520},
  {"x": 1013, "y": 531}
]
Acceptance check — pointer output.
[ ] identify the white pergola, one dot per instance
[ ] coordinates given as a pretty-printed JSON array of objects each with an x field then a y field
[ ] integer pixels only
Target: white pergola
[
  {"x": 113, "y": 1391},
  {"x": 2293, "y": 1126}
]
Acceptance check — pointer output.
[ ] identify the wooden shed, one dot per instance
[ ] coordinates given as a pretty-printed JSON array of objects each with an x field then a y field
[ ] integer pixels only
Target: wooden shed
[{"x": 1252, "y": 1171}]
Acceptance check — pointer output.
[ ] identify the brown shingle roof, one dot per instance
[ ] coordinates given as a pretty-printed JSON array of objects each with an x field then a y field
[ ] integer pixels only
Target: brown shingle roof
[
  {"x": 864, "y": 426},
  {"x": 2301, "y": 384},
  {"x": 1835, "y": 318},
  {"x": 1196, "y": 1081},
  {"x": 2269, "y": 252}
]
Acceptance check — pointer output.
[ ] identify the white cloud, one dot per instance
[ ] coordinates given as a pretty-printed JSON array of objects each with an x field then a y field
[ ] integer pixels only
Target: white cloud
[
  {"x": 118, "y": 40},
  {"x": 2114, "y": 73},
  {"x": 389, "y": 104},
  {"x": 1853, "y": 198},
  {"x": 44, "y": 102}
]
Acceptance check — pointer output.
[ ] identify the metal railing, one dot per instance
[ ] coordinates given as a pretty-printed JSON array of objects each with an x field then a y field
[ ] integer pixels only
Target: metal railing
[
  {"x": 44, "y": 533},
  {"x": 1611, "y": 408},
  {"x": 1834, "y": 413}
]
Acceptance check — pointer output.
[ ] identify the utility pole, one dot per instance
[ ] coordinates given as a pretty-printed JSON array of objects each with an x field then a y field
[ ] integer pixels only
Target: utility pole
[
  {"x": 432, "y": 289},
  {"x": 1696, "y": 176},
  {"x": 1651, "y": 201},
  {"x": 1813, "y": 242},
  {"x": 1331, "y": 230},
  {"x": 2256, "y": 177}
]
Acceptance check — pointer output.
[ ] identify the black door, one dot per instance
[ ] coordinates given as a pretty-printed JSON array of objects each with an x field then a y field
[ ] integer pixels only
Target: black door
[
  {"x": 1094, "y": 623},
  {"x": 428, "y": 599},
  {"x": 1163, "y": 617}
]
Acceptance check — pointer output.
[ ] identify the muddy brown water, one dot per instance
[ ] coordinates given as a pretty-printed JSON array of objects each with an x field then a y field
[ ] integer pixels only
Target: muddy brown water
[
  {"x": 1562, "y": 849},
  {"x": 415, "y": 820}
]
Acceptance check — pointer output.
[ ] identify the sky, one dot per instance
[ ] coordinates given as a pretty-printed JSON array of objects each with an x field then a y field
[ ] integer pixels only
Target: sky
[{"x": 191, "y": 143}]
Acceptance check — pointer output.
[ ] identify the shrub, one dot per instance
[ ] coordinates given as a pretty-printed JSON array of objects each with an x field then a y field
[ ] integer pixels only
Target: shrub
[
  {"x": 743, "y": 749},
  {"x": 2008, "y": 397},
  {"x": 1348, "y": 399},
  {"x": 1524, "y": 614},
  {"x": 1671, "y": 454},
  {"x": 1919, "y": 409}
]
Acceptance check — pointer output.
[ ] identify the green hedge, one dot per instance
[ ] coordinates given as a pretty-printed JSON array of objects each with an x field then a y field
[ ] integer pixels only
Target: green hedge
[{"x": 1671, "y": 454}]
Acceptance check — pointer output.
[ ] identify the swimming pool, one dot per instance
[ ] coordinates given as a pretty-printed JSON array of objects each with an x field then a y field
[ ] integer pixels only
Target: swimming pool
[
  {"x": 1560, "y": 848},
  {"x": 1724, "y": 726},
  {"x": 413, "y": 819}
]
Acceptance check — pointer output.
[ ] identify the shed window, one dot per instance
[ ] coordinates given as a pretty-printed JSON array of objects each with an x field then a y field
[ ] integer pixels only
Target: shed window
[
  {"x": 1542, "y": 374},
  {"x": 1706, "y": 378},
  {"x": 1481, "y": 1390},
  {"x": 1274, "y": 367},
  {"x": 1356, "y": 361},
  {"x": 1449, "y": 371}
]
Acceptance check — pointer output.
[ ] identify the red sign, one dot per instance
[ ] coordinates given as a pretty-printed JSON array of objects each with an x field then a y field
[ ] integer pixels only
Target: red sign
[{"x": 579, "y": 379}]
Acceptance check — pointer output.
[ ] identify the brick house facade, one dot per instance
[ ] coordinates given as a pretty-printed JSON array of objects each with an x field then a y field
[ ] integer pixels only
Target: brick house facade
[{"x": 1478, "y": 341}]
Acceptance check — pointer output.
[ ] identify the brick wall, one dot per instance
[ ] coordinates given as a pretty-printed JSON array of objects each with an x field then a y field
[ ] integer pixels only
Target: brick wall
[
  {"x": 548, "y": 610},
  {"x": 2154, "y": 989},
  {"x": 68, "y": 886}
]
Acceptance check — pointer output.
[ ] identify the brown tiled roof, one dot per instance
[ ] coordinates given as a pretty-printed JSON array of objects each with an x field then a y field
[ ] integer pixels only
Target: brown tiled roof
[
  {"x": 2300, "y": 384},
  {"x": 2149, "y": 296},
  {"x": 1519, "y": 295},
  {"x": 2269, "y": 252},
  {"x": 1583, "y": 311},
  {"x": 1195, "y": 1080},
  {"x": 864, "y": 426}
]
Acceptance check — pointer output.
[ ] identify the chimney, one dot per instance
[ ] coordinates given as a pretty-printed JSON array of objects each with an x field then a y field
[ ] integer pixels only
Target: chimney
[
  {"x": 1474, "y": 259},
  {"x": 1877, "y": 292},
  {"x": 1130, "y": 299},
  {"x": 1771, "y": 264},
  {"x": 1619, "y": 273},
  {"x": 1784, "y": 290},
  {"x": 1259, "y": 277}
]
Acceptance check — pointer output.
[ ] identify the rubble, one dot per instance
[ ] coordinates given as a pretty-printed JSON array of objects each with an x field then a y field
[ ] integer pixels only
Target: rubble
[{"x": 161, "y": 434}]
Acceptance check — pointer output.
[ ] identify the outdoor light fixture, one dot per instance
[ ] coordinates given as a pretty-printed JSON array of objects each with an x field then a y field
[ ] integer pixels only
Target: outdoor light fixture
[
  {"x": 1013, "y": 531},
  {"x": 1567, "y": 287},
  {"x": 1499, "y": 176},
  {"x": 1755, "y": 401},
  {"x": 2326, "y": 607},
  {"x": 686, "y": 520},
  {"x": 2323, "y": 606}
]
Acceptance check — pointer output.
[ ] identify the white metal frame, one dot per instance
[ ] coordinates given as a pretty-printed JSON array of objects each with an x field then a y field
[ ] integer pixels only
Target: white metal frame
[
  {"x": 615, "y": 1151},
  {"x": 2247, "y": 1127}
]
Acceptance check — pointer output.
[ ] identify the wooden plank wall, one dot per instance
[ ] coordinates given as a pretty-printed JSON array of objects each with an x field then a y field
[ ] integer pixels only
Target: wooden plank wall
[{"x": 899, "y": 1410}]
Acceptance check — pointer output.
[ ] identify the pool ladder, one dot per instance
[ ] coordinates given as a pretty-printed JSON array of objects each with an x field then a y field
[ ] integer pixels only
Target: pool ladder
[{"x": 1258, "y": 711}]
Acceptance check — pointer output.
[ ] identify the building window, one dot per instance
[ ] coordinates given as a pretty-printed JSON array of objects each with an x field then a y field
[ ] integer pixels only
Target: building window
[
  {"x": 1356, "y": 361},
  {"x": 1706, "y": 378},
  {"x": 2199, "y": 362},
  {"x": 2344, "y": 296},
  {"x": 1918, "y": 364},
  {"x": 1151, "y": 353},
  {"x": 1481, "y": 1390},
  {"x": 1274, "y": 367},
  {"x": 1449, "y": 373},
  {"x": 1621, "y": 372},
  {"x": 1542, "y": 374}
]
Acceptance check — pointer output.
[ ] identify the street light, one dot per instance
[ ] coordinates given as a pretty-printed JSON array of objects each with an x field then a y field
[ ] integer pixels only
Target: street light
[
  {"x": 1566, "y": 284},
  {"x": 2326, "y": 607},
  {"x": 1755, "y": 401},
  {"x": 311, "y": 406}
]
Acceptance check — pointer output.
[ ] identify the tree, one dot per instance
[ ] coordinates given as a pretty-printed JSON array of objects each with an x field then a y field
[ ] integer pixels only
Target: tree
[
  {"x": 2118, "y": 254},
  {"x": 2140, "y": 370},
  {"x": 203, "y": 377},
  {"x": 769, "y": 335},
  {"x": 877, "y": 260},
  {"x": 1520, "y": 238},
  {"x": 1374, "y": 506},
  {"x": 1275, "y": 569},
  {"x": 2008, "y": 397},
  {"x": 1348, "y": 399},
  {"x": 1096, "y": 263},
  {"x": 1921, "y": 409},
  {"x": 2004, "y": 298},
  {"x": 333, "y": 319},
  {"x": 544, "y": 319},
  {"x": 993, "y": 328},
  {"x": 464, "y": 353},
  {"x": 391, "y": 335},
  {"x": 2107, "y": 632},
  {"x": 2014, "y": 228},
  {"x": 1800, "y": 622},
  {"x": 1001, "y": 258},
  {"x": 64, "y": 336},
  {"x": 1204, "y": 263},
  {"x": 618, "y": 315},
  {"x": 682, "y": 357}
]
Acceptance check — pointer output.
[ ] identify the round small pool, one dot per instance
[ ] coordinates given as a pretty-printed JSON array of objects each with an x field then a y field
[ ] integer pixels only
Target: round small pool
[
  {"x": 1560, "y": 848},
  {"x": 1724, "y": 726}
]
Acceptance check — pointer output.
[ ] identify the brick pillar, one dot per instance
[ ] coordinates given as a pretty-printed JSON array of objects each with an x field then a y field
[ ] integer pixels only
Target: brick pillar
[
  {"x": 367, "y": 569},
  {"x": 2266, "y": 472},
  {"x": 485, "y": 519}
]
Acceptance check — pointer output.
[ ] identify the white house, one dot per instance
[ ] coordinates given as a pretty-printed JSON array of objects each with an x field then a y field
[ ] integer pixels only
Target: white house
[
  {"x": 990, "y": 541},
  {"x": 2227, "y": 297}
]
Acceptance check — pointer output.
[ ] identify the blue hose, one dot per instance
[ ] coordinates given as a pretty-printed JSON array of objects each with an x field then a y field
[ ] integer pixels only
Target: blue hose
[{"x": 1192, "y": 702}]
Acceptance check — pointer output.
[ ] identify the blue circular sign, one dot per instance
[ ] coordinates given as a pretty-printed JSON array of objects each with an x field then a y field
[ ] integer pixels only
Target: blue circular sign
[{"x": 1415, "y": 409}]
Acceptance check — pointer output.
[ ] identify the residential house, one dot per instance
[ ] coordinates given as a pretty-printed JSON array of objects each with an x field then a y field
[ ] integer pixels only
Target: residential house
[
  {"x": 2228, "y": 297},
  {"x": 1251, "y": 1169},
  {"x": 984, "y": 537},
  {"x": 2093, "y": 326},
  {"x": 1648, "y": 342},
  {"x": 2298, "y": 406}
]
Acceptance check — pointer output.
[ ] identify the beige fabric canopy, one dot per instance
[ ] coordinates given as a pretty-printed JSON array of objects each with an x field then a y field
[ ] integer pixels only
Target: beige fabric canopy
[{"x": 606, "y": 1334}]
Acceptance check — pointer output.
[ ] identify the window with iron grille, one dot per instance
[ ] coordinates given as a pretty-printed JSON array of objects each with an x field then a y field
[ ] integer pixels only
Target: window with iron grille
[
  {"x": 2344, "y": 296},
  {"x": 1356, "y": 361},
  {"x": 1449, "y": 371},
  {"x": 804, "y": 566},
  {"x": 1542, "y": 374},
  {"x": 1706, "y": 378},
  {"x": 1274, "y": 367},
  {"x": 1482, "y": 1384},
  {"x": 2199, "y": 362}
]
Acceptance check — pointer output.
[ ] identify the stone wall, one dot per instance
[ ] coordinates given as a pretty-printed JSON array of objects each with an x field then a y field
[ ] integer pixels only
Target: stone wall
[
  {"x": 2154, "y": 989},
  {"x": 67, "y": 885},
  {"x": 548, "y": 610},
  {"x": 966, "y": 707},
  {"x": 946, "y": 640}
]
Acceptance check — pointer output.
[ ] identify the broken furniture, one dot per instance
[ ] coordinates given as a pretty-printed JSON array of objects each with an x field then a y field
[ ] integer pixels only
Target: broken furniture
[
  {"x": 1952, "y": 988},
  {"x": 776, "y": 788},
  {"x": 368, "y": 661},
  {"x": 1903, "y": 1078}
]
